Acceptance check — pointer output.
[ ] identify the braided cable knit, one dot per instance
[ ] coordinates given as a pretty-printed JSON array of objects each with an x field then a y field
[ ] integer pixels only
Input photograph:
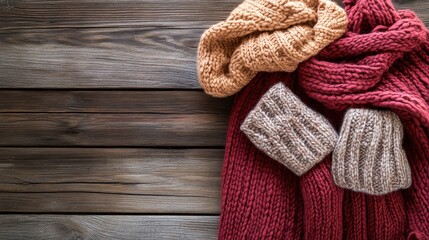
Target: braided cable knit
[
  {"x": 382, "y": 62},
  {"x": 265, "y": 36}
]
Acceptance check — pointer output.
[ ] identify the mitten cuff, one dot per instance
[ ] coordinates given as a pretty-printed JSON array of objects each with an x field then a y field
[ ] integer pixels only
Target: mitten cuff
[
  {"x": 288, "y": 131},
  {"x": 369, "y": 156}
]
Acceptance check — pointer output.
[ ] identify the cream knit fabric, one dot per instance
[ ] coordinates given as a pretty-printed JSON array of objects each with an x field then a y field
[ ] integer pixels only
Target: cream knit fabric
[
  {"x": 265, "y": 35},
  {"x": 369, "y": 156},
  {"x": 288, "y": 131}
]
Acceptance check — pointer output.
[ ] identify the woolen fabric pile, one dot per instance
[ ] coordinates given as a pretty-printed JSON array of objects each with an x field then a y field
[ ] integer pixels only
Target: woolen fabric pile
[{"x": 367, "y": 80}]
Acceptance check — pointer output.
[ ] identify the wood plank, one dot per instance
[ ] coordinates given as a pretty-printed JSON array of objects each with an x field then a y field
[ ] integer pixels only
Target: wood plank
[
  {"x": 110, "y": 180},
  {"x": 90, "y": 129},
  {"x": 106, "y": 203},
  {"x": 166, "y": 102},
  {"x": 137, "y": 43},
  {"x": 100, "y": 58},
  {"x": 46, "y": 227},
  {"x": 16, "y": 14}
]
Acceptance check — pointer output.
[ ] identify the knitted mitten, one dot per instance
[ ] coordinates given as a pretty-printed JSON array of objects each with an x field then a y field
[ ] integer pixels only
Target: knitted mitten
[
  {"x": 369, "y": 156},
  {"x": 288, "y": 131},
  {"x": 265, "y": 36}
]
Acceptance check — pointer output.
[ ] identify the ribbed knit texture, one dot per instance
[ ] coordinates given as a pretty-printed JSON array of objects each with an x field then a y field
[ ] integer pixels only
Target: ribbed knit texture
[
  {"x": 265, "y": 36},
  {"x": 368, "y": 156},
  {"x": 381, "y": 62},
  {"x": 288, "y": 131}
]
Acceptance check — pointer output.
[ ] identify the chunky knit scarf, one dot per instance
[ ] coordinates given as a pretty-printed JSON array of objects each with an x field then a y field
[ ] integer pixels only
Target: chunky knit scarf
[
  {"x": 382, "y": 61},
  {"x": 265, "y": 36}
]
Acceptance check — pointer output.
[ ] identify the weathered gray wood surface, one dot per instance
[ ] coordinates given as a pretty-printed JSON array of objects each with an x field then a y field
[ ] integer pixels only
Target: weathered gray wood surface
[
  {"x": 131, "y": 180},
  {"x": 142, "y": 57},
  {"x": 56, "y": 227},
  {"x": 31, "y": 14},
  {"x": 104, "y": 43},
  {"x": 89, "y": 129},
  {"x": 100, "y": 113},
  {"x": 159, "y": 102},
  {"x": 112, "y": 118}
]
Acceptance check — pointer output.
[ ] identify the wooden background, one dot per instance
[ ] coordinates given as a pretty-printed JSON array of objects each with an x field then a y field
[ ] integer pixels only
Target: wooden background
[{"x": 104, "y": 132}]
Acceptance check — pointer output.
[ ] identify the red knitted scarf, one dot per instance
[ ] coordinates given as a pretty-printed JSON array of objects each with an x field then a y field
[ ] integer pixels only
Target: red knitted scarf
[{"x": 382, "y": 62}]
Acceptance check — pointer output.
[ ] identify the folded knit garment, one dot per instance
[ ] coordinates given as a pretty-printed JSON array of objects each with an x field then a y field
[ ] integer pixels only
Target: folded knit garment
[
  {"x": 265, "y": 36},
  {"x": 283, "y": 127},
  {"x": 382, "y": 61},
  {"x": 369, "y": 156},
  {"x": 261, "y": 199}
]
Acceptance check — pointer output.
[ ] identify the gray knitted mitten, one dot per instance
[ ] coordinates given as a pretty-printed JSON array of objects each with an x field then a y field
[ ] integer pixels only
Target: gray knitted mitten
[
  {"x": 369, "y": 156},
  {"x": 288, "y": 131}
]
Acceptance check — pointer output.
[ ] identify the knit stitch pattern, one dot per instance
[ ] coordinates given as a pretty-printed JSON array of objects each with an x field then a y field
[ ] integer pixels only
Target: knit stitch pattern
[
  {"x": 265, "y": 36},
  {"x": 288, "y": 131},
  {"x": 382, "y": 61},
  {"x": 369, "y": 156},
  {"x": 261, "y": 199}
]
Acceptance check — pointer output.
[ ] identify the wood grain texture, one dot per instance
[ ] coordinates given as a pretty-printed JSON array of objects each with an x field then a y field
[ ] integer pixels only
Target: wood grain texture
[
  {"x": 31, "y": 14},
  {"x": 86, "y": 202},
  {"x": 104, "y": 44},
  {"x": 150, "y": 57},
  {"x": 110, "y": 180},
  {"x": 90, "y": 129},
  {"x": 47, "y": 227},
  {"x": 159, "y": 102},
  {"x": 25, "y": 14},
  {"x": 110, "y": 44}
]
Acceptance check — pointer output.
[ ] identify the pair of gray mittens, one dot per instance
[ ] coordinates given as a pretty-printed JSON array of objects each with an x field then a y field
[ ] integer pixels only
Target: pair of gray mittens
[{"x": 367, "y": 155}]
